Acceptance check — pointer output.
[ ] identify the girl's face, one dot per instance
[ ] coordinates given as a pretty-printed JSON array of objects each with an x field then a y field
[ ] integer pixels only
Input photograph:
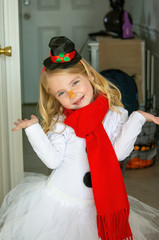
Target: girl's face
[{"x": 73, "y": 91}]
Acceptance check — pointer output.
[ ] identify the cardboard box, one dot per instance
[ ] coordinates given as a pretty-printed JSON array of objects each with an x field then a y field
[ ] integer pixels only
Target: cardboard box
[{"x": 123, "y": 54}]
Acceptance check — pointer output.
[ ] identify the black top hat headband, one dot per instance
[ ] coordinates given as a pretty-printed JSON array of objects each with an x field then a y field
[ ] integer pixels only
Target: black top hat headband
[{"x": 62, "y": 54}]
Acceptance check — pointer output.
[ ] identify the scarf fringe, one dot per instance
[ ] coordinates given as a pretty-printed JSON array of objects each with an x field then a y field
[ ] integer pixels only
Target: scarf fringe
[{"x": 114, "y": 226}]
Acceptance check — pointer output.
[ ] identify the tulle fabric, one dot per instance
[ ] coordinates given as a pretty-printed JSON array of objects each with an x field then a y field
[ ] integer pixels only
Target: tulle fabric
[
  {"x": 144, "y": 220},
  {"x": 36, "y": 210}
]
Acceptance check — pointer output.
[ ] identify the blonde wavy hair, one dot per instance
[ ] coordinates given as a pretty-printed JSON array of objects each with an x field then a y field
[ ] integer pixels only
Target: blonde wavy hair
[{"x": 50, "y": 108}]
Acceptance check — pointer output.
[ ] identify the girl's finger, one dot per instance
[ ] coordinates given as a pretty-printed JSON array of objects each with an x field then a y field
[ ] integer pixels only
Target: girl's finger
[
  {"x": 15, "y": 123},
  {"x": 156, "y": 121},
  {"x": 15, "y": 129},
  {"x": 19, "y": 120}
]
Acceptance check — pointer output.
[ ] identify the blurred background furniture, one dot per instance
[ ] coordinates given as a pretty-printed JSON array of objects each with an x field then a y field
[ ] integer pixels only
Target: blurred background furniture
[{"x": 126, "y": 55}]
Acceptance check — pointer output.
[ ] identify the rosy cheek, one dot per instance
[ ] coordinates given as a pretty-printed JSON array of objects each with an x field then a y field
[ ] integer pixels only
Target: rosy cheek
[{"x": 64, "y": 103}]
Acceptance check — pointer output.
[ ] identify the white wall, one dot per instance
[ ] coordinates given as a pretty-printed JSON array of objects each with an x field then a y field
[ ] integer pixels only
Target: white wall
[
  {"x": 146, "y": 24},
  {"x": 144, "y": 12}
]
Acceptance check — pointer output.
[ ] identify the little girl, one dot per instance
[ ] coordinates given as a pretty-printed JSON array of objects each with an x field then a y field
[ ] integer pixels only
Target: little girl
[{"x": 84, "y": 132}]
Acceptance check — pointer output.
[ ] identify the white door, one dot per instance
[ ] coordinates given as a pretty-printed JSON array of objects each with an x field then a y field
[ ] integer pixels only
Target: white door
[
  {"x": 11, "y": 157},
  {"x": 43, "y": 19}
]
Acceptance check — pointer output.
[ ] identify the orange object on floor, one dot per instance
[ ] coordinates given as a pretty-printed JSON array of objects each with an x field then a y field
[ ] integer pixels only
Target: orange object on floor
[
  {"x": 143, "y": 148},
  {"x": 136, "y": 162}
]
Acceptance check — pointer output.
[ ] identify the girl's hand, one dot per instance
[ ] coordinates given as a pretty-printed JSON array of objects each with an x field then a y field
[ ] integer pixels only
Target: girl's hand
[
  {"x": 25, "y": 123},
  {"x": 149, "y": 117}
]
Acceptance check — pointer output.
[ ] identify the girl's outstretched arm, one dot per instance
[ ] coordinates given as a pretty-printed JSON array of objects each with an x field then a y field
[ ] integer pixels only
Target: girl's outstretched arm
[
  {"x": 49, "y": 149},
  {"x": 25, "y": 123},
  {"x": 129, "y": 130},
  {"x": 149, "y": 117}
]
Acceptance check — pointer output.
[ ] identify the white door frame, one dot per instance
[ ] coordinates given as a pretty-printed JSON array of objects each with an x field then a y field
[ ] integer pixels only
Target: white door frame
[{"x": 11, "y": 151}]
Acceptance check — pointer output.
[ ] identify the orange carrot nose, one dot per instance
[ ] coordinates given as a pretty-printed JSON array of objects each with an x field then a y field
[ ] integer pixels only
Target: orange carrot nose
[{"x": 71, "y": 93}]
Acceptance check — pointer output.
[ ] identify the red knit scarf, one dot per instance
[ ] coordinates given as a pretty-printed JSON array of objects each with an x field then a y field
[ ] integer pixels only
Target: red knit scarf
[{"x": 108, "y": 186}]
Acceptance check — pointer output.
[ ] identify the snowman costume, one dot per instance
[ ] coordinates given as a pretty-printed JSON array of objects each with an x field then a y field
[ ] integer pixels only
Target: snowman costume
[{"x": 61, "y": 206}]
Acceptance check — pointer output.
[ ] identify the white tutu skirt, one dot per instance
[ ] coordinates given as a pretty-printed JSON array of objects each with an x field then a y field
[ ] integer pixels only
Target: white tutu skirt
[{"x": 37, "y": 210}]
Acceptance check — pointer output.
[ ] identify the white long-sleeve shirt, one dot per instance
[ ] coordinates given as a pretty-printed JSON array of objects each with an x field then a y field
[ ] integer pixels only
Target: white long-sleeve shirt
[{"x": 66, "y": 153}]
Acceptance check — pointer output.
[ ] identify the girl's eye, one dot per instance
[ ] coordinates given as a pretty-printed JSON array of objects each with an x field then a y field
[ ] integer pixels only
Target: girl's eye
[
  {"x": 75, "y": 82},
  {"x": 61, "y": 93}
]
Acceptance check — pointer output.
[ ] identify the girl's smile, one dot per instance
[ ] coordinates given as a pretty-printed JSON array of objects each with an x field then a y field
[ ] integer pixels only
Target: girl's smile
[
  {"x": 78, "y": 102},
  {"x": 73, "y": 91}
]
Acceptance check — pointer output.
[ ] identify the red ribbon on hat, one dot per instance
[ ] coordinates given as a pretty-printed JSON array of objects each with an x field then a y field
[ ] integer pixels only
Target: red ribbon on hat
[{"x": 62, "y": 57}]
